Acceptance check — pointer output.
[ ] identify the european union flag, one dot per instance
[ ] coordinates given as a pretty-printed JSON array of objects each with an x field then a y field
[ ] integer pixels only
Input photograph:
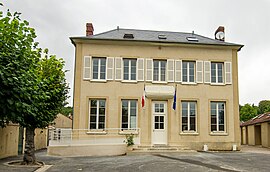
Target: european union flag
[{"x": 174, "y": 101}]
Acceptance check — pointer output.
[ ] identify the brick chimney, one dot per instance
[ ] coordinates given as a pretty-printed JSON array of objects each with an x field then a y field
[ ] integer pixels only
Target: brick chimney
[
  {"x": 220, "y": 33},
  {"x": 89, "y": 29}
]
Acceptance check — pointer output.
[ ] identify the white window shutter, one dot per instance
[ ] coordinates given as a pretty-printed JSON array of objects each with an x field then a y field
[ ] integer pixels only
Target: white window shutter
[
  {"x": 140, "y": 69},
  {"x": 87, "y": 68},
  {"x": 118, "y": 68},
  {"x": 199, "y": 71},
  {"x": 170, "y": 70},
  {"x": 110, "y": 66},
  {"x": 207, "y": 72},
  {"x": 228, "y": 72},
  {"x": 178, "y": 70},
  {"x": 149, "y": 69}
]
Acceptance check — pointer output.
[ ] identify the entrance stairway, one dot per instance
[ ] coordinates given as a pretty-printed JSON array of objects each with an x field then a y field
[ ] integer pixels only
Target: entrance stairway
[{"x": 158, "y": 149}]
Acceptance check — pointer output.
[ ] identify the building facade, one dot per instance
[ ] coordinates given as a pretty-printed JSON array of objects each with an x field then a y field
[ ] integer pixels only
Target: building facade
[
  {"x": 167, "y": 88},
  {"x": 256, "y": 131}
]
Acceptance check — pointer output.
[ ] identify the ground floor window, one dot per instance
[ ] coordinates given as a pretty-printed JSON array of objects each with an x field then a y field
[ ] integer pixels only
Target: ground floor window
[
  {"x": 97, "y": 113},
  {"x": 129, "y": 114},
  {"x": 188, "y": 116},
  {"x": 217, "y": 116}
]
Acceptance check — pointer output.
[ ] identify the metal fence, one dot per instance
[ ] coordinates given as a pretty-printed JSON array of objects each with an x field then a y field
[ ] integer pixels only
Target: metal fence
[{"x": 108, "y": 136}]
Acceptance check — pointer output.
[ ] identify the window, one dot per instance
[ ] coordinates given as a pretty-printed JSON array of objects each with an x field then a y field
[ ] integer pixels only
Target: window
[
  {"x": 162, "y": 37},
  {"x": 159, "y": 122},
  {"x": 216, "y": 72},
  {"x": 159, "y": 116},
  {"x": 128, "y": 35},
  {"x": 97, "y": 113},
  {"x": 130, "y": 69},
  {"x": 188, "y": 71},
  {"x": 129, "y": 114},
  {"x": 188, "y": 116},
  {"x": 99, "y": 68},
  {"x": 159, "y": 70},
  {"x": 194, "y": 39},
  {"x": 217, "y": 116}
]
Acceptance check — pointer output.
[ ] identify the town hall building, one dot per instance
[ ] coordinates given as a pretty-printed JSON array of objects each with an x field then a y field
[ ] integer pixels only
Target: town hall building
[{"x": 167, "y": 89}]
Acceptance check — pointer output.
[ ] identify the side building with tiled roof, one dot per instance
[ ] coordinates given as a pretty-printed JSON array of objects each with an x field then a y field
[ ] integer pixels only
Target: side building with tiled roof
[
  {"x": 168, "y": 89},
  {"x": 256, "y": 131}
]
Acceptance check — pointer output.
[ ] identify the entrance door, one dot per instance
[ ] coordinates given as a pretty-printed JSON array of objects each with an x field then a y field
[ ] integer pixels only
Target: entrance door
[{"x": 159, "y": 135}]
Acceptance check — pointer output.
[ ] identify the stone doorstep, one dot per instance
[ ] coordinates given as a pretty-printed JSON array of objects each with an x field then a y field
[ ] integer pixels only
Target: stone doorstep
[
  {"x": 160, "y": 148},
  {"x": 147, "y": 152}
]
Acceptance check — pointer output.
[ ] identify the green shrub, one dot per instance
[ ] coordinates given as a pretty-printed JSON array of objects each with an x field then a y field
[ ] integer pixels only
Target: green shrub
[{"x": 129, "y": 139}]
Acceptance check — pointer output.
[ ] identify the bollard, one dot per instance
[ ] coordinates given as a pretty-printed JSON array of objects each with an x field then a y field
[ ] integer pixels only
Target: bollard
[{"x": 205, "y": 148}]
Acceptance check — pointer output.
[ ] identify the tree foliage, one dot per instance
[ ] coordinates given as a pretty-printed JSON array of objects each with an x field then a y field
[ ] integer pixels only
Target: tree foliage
[
  {"x": 247, "y": 112},
  {"x": 18, "y": 59},
  {"x": 264, "y": 106},
  {"x": 67, "y": 111},
  {"x": 33, "y": 89}
]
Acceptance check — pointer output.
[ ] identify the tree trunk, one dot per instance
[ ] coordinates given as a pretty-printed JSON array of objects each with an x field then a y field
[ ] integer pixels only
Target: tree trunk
[{"x": 29, "y": 152}]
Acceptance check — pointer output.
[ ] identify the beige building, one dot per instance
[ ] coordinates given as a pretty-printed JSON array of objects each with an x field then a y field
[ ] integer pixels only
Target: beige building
[
  {"x": 62, "y": 121},
  {"x": 12, "y": 140},
  {"x": 114, "y": 69},
  {"x": 256, "y": 131}
]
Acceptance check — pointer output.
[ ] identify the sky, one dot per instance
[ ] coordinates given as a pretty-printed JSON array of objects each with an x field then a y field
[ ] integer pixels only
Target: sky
[{"x": 245, "y": 22}]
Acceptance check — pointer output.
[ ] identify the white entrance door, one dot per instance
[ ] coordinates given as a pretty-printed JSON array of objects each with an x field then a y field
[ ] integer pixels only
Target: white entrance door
[{"x": 159, "y": 109}]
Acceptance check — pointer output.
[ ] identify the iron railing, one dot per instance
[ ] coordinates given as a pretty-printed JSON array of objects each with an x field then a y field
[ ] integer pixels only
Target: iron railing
[{"x": 61, "y": 136}]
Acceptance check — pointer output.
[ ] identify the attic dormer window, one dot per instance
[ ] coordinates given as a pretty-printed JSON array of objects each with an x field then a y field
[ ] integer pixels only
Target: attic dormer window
[
  {"x": 128, "y": 35},
  {"x": 192, "y": 39},
  {"x": 162, "y": 37}
]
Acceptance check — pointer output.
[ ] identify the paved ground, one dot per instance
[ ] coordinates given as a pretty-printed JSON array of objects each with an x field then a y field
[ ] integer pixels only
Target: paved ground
[{"x": 250, "y": 159}]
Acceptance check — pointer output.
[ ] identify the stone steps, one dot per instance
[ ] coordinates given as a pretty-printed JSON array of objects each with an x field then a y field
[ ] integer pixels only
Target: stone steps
[{"x": 158, "y": 149}]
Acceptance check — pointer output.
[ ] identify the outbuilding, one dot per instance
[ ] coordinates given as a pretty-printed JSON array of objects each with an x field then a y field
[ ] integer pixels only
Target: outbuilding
[{"x": 256, "y": 131}]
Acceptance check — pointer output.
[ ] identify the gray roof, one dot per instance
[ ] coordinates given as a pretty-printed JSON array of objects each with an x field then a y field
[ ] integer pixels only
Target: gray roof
[{"x": 153, "y": 36}]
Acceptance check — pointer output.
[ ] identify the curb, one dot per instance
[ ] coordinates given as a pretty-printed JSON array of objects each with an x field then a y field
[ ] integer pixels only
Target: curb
[{"x": 43, "y": 168}]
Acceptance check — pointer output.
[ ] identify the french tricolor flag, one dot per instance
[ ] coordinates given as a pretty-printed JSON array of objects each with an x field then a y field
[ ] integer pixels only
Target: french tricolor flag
[{"x": 143, "y": 98}]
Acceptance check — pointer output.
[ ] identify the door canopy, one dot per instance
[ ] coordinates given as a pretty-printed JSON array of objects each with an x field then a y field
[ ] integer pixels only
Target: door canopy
[{"x": 160, "y": 92}]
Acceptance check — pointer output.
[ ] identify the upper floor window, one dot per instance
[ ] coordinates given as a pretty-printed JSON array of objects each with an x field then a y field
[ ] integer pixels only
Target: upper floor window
[
  {"x": 129, "y": 114},
  {"x": 97, "y": 113},
  {"x": 188, "y": 71},
  {"x": 130, "y": 66},
  {"x": 216, "y": 72},
  {"x": 217, "y": 116},
  {"x": 159, "y": 73},
  {"x": 99, "y": 68},
  {"x": 188, "y": 116}
]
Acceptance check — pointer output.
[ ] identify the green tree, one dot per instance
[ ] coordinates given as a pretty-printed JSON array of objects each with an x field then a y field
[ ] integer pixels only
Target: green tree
[
  {"x": 247, "y": 112},
  {"x": 33, "y": 89},
  {"x": 66, "y": 110},
  {"x": 18, "y": 56},
  {"x": 264, "y": 106}
]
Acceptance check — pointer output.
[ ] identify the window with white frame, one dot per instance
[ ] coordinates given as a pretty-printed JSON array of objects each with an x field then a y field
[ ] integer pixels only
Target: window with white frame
[
  {"x": 129, "y": 114},
  {"x": 97, "y": 113},
  {"x": 188, "y": 116},
  {"x": 188, "y": 71},
  {"x": 130, "y": 66},
  {"x": 159, "y": 73},
  {"x": 99, "y": 68},
  {"x": 216, "y": 72},
  {"x": 217, "y": 116}
]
